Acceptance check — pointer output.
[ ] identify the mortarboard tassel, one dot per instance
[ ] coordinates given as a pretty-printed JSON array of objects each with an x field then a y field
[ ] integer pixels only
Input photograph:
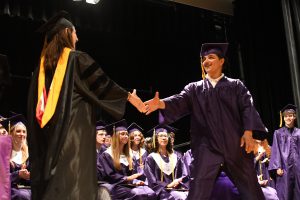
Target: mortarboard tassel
[
  {"x": 202, "y": 69},
  {"x": 280, "y": 125},
  {"x": 153, "y": 138}
]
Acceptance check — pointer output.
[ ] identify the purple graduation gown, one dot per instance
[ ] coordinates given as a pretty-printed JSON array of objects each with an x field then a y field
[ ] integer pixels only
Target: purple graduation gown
[
  {"x": 138, "y": 167},
  {"x": 16, "y": 192},
  {"x": 223, "y": 188},
  {"x": 116, "y": 181},
  {"x": 219, "y": 117},
  {"x": 262, "y": 168},
  {"x": 286, "y": 155},
  {"x": 5, "y": 153},
  {"x": 98, "y": 154},
  {"x": 153, "y": 174}
]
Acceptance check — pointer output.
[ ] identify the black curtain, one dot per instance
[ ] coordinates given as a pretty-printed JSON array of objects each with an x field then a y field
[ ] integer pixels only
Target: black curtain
[
  {"x": 291, "y": 17},
  {"x": 259, "y": 29},
  {"x": 144, "y": 44}
]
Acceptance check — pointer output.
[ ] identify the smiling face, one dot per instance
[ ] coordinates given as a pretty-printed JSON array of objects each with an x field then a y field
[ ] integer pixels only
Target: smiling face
[
  {"x": 136, "y": 138},
  {"x": 19, "y": 133},
  {"x": 213, "y": 65},
  {"x": 289, "y": 119},
  {"x": 123, "y": 137},
  {"x": 163, "y": 139}
]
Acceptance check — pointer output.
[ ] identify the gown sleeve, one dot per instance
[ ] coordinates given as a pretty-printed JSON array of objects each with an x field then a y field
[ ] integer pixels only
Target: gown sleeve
[
  {"x": 98, "y": 88},
  {"x": 176, "y": 106},
  {"x": 275, "y": 160}
]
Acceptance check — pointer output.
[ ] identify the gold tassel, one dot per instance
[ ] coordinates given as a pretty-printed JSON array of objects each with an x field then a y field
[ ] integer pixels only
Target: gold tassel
[
  {"x": 153, "y": 139},
  {"x": 280, "y": 125},
  {"x": 8, "y": 127},
  {"x": 202, "y": 68}
]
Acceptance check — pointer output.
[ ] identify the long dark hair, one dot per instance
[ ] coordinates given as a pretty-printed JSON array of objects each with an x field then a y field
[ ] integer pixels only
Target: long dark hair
[
  {"x": 169, "y": 146},
  {"x": 53, "y": 49}
]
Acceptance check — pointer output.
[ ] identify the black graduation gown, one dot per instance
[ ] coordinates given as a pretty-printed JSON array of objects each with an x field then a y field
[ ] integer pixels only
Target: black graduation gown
[{"x": 62, "y": 154}]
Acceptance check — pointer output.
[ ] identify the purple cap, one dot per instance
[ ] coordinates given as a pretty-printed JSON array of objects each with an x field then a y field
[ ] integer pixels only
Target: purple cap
[
  {"x": 134, "y": 127},
  {"x": 117, "y": 126},
  {"x": 289, "y": 108},
  {"x": 100, "y": 125},
  {"x": 13, "y": 120},
  {"x": 214, "y": 48},
  {"x": 162, "y": 128}
]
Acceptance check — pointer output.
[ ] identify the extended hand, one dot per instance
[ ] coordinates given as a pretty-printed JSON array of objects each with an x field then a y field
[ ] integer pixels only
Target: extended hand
[
  {"x": 136, "y": 101},
  {"x": 248, "y": 141},
  {"x": 153, "y": 104}
]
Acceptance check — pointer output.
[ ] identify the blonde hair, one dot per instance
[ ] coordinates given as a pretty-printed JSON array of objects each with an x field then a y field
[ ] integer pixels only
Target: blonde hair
[
  {"x": 115, "y": 145},
  {"x": 24, "y": 147}
]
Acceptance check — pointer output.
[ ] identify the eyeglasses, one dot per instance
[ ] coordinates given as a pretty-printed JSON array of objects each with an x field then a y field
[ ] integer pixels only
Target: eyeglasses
[{"x": 162, "y": 135}]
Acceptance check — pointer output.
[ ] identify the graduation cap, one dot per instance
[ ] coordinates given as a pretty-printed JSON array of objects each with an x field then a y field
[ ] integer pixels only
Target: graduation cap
[
  {"x": 55, "y": 24},
  {"x": 100, "y": 125},
  {"x": 160, "y": 128},
  {"x": 216, "y": 48},
  {"x": 289, "y": 108},
  {"x": 212, "y": 48},
  {"x": 2, "y": 118},
  {"x": 134, "y": 127},
  {"x": 116, "y": 126},
  {"x": 13, "y": 120}
]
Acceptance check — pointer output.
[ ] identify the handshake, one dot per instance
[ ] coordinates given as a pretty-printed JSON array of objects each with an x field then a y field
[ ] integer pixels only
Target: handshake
[{"x": 146, "y": 107}]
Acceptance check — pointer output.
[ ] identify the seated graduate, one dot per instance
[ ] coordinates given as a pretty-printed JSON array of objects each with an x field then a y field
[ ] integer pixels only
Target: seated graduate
[
  {"x": 100, "y": 137},
  {"x": 172, "y": 136},
  {"x": 136, "y": 140},
  {"x": 100, "y": 147},
  {"x": 163, "y": 168},
  {"x": 148, "y": 145},
  {"x": 118, "y": 168},
  {"x": 107, "y": 142},
  {"x": 223, "y": 188},
  {"x": 19, "y": 162},
  {"x": 261, "y": 162}
]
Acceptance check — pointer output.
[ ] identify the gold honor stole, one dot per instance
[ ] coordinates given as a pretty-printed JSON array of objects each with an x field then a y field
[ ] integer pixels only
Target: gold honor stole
[{"x": 46, "y": 104}]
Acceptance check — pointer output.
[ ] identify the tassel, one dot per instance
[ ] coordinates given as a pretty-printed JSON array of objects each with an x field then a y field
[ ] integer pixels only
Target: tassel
[
  {"x": 202, "y": 68},
  {"x": 280, "y": 125},
  {"x": 153, "y": 139}
]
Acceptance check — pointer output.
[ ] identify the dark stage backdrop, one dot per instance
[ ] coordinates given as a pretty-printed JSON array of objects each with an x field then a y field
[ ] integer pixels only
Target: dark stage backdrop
[
  {"x": 259, "y": 28},
  {"x": 153, "y": 45}
]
